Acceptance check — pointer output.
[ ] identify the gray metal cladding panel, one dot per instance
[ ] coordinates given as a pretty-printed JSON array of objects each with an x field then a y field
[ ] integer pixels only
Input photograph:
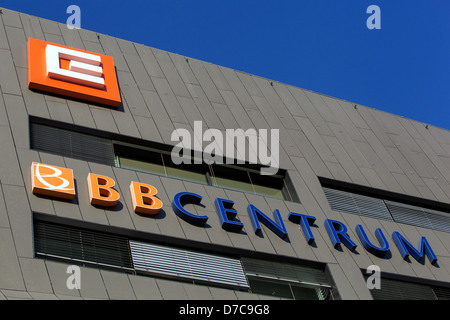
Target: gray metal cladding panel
[{"x": 187, "y": 264}]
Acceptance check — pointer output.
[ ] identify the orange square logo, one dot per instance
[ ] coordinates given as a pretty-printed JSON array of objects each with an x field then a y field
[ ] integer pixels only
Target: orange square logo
[
  {"x": 52, "y": 181},
  {"x": 72, "y": 72}
]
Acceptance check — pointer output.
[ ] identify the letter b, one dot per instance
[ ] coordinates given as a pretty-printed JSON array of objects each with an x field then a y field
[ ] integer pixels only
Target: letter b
[
  {"x": 144, "y": 198},
  {"x": 101, "y": 190}
]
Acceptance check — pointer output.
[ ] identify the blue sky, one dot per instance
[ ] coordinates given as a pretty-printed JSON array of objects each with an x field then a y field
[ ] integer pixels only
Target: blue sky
[{"x": 319, "y": 45}]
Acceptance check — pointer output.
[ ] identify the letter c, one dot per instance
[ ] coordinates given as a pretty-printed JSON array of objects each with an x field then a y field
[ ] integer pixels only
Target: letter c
[{"x": 182, "y": 198}]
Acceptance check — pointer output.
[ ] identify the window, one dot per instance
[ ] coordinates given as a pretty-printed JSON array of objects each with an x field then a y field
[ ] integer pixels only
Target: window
[
  {"x": 402, "y": 290},
  {"x": 286, "y": 280},
  {"x": 287, "y": 289},
  {"x": 357, "y": 204},
  {"x": 113, "y": 150},
  {"x": 241, "y": 178},
  {"x": 157, "y": 161},
  {"x": 81, "y": 246},
  {"x": 72, "y": 144},
  {"x": 418, "y": 216},
  {"x": 385, "y": 207},
  {"x": 58, "y": 240},
  {"x": 111, "y": 251},
  {"x": 196, "y": 266},
  {"x": 249, "y": 180}
]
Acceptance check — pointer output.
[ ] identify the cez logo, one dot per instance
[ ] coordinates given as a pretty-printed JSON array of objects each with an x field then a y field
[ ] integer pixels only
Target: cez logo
[
  {"x": 52, "y": 181},
  {"x": 72, "y": 72}
]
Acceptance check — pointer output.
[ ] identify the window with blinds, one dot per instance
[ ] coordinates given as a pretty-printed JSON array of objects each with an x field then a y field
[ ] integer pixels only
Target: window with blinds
[
  {"x": 105, "y": 250},
  {"x": 286, "y": 280},
  {"x": 383, "y": 209},
  {"x": 401, "y": 290},
  {"x": 72, "y": 144},
  {"x": 111, "y": 251},
  {"x": 420, "y": 217},
  {"x": 81, "y": 246},
  {"x": 357, "y": 204},
  {"x": 146, "y": 156},
  {"x": 200, "y": 267}
]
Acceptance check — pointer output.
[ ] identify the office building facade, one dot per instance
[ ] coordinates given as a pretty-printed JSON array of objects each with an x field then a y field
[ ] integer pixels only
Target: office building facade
[{"x": 94, "y": 206}]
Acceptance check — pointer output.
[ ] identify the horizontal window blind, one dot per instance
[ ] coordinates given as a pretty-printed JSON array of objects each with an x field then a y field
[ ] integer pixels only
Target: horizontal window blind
[
  {"x": 285, "y": 272},
  {"x": 439, "y": 220},
  {"x": 402, "y": 290},
  {"x": 107, "y": 250},
  {"x": 408, "y": 214},
  {"x": 187, "y": 264},
  {"x": 79, "y": 245},
  {"x": 441, "y": 293},
  {"x": 72, "y": 144},
  {"x": 418, "y": 216},
  {"x": 348, "y": 202},
  {"x": 341, "y": 201}
]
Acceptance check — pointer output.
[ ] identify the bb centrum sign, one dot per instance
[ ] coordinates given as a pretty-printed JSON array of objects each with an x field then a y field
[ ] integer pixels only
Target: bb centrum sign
[
  {"x": 58, "y": 182},
  {"x": 72, "y": 72}
]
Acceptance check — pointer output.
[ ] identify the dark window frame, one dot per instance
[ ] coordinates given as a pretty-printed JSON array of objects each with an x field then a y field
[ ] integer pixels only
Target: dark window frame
[
  {"x": 138, "y": 150},
  {"x": 324, "y": 285},
  {"x": 81, "y": 246},
  {"x": 437, "y": 213}
]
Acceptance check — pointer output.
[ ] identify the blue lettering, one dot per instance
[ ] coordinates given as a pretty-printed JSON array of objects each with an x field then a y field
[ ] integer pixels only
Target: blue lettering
[
  {"x": 407, "y": 248},
  {"x": 226, "y": 212},
  {"x": 378, "y": 251},
  {"x": 336, "y": 230},
  {"x": 338, "y": 233},
  {"x": 276, "y": 226},
  {"x": 180, "y": 200},
  {"x": 305, "y": 221}
]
